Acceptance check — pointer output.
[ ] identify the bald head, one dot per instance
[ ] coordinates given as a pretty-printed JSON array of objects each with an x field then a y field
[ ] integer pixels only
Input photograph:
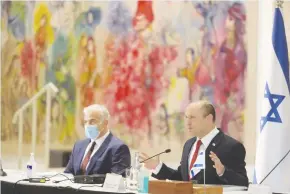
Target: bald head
[
  {"x": 200, "y": 118},
  {"x": 205, "y": 107}
]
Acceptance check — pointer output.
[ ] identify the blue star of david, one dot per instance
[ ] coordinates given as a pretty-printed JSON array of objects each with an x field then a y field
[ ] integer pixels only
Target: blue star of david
[{"x": 275, "y": 100}]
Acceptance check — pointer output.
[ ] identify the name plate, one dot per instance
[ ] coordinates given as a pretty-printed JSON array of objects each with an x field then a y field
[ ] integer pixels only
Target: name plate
[
  {"x": 114, "y": 183},
  {"x": 207, "y": 189}
]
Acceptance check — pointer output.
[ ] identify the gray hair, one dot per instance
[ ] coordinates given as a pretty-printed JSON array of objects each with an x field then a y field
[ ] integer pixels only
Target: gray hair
[{"x": 99, "y": 108}]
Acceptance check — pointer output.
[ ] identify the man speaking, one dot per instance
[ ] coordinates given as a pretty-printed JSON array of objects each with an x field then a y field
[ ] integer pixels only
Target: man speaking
[
  {"x": 100, "y": 152},
  {"x": 224, "y": 156}
]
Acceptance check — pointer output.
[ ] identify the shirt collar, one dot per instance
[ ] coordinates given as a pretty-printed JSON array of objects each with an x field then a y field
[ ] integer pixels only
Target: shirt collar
[
  {"x": 100, "y": 140},
  {"x": 209, "y": 137}
]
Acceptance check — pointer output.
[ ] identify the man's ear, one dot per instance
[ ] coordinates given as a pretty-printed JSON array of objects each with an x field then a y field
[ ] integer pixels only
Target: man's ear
[
  {"x": 105, "y": 123},
  {"x": 209, "y": 117}
]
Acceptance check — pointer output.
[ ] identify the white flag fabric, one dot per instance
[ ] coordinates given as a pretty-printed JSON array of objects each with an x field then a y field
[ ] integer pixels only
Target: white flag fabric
[{"x": 272, "y": 166}]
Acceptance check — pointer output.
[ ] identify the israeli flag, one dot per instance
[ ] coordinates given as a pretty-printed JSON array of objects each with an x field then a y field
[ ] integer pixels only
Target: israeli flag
[
  {"x": 272, "y": 166},
  {"x": 199, "y": 164}
]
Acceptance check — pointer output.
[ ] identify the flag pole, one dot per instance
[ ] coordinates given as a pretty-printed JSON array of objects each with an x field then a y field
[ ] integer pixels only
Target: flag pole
[
  {"x": 204, "y": 179},
  {"x": 204, "y": 167}
]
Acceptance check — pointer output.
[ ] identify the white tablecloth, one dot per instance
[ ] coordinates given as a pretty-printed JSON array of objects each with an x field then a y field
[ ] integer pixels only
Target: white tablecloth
[{"x": 14, "y": 175}]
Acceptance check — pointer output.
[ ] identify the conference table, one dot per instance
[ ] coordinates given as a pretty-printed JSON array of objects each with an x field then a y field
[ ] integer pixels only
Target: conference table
[{"x": 12, "y": 184}]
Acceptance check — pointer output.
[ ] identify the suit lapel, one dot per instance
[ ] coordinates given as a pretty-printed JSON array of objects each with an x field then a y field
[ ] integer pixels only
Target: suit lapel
[
  {"x": 81, "y": 153},
  {"x": 99, "y": 153},
  {"x": 214, "y": 143},
  {"x": 187, "y": 152}
]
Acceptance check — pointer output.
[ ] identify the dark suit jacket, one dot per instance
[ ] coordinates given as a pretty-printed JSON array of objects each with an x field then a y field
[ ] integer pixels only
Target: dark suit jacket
[
  {"x": 112, "y": 157},
  {"x": 230, "y": 152}
]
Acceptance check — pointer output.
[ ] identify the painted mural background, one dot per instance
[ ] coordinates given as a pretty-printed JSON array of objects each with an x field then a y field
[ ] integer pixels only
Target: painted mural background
[{"x": 144, "y": 60}]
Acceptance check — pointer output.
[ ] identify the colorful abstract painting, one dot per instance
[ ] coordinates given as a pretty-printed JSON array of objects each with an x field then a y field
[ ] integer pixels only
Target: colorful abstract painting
[{"x": 145, "y": 60}]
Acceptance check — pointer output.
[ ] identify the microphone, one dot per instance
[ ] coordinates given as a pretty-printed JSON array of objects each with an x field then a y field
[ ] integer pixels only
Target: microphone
[
  {"x": 2, "y": 172},
  {"x": 123, "y": 170},
  {"x": 166, "y": 151}
]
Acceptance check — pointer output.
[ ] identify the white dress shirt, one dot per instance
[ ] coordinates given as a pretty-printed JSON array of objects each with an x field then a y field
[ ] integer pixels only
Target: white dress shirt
[
  {"x": 205, "y": 143},
  {"x": 99, "y": 142}
]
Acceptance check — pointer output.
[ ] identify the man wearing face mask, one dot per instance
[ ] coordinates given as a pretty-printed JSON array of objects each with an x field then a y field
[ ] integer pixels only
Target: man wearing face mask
[
  {"x": 101, "y": 152},
  {"x": 224, "y": 156}
]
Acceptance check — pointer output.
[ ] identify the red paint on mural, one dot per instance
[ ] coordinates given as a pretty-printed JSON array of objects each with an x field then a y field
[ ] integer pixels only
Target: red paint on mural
[
  {"x": 137, "y": 81},
  {"x": 28, "y": 63}
]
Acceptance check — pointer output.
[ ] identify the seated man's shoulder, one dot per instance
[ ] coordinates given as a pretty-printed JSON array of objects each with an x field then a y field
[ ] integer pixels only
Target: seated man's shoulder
[
  {"x": 117, "y": 142},
  {"x": 118, "y": 146},
  {"x": 82, "y": 142}
]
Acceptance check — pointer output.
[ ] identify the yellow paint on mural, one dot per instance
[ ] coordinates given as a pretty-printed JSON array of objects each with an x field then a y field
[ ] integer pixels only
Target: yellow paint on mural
[
  {"x": 172, "y": 83},
  {"x": 189, "y": 72},
  {"x": 2, "y": 24},
  {"x": 68, "y": 127},
  {"x": 20, "y": 47},
  {"x": 42, "y": 18},
  {"x": 242, "y": 117},
  {"x": 150, "y": 28},
  {"x": 172, "y": 87},
  {"x": 231, "y": 38}
]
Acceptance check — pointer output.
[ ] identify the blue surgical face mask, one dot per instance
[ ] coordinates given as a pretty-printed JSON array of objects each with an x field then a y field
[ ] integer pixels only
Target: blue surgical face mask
[{"x": 92, "y": 131}]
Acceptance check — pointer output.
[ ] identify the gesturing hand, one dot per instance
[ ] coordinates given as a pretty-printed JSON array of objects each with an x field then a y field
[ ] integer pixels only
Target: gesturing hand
[{"x": 220, "y": 168}]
